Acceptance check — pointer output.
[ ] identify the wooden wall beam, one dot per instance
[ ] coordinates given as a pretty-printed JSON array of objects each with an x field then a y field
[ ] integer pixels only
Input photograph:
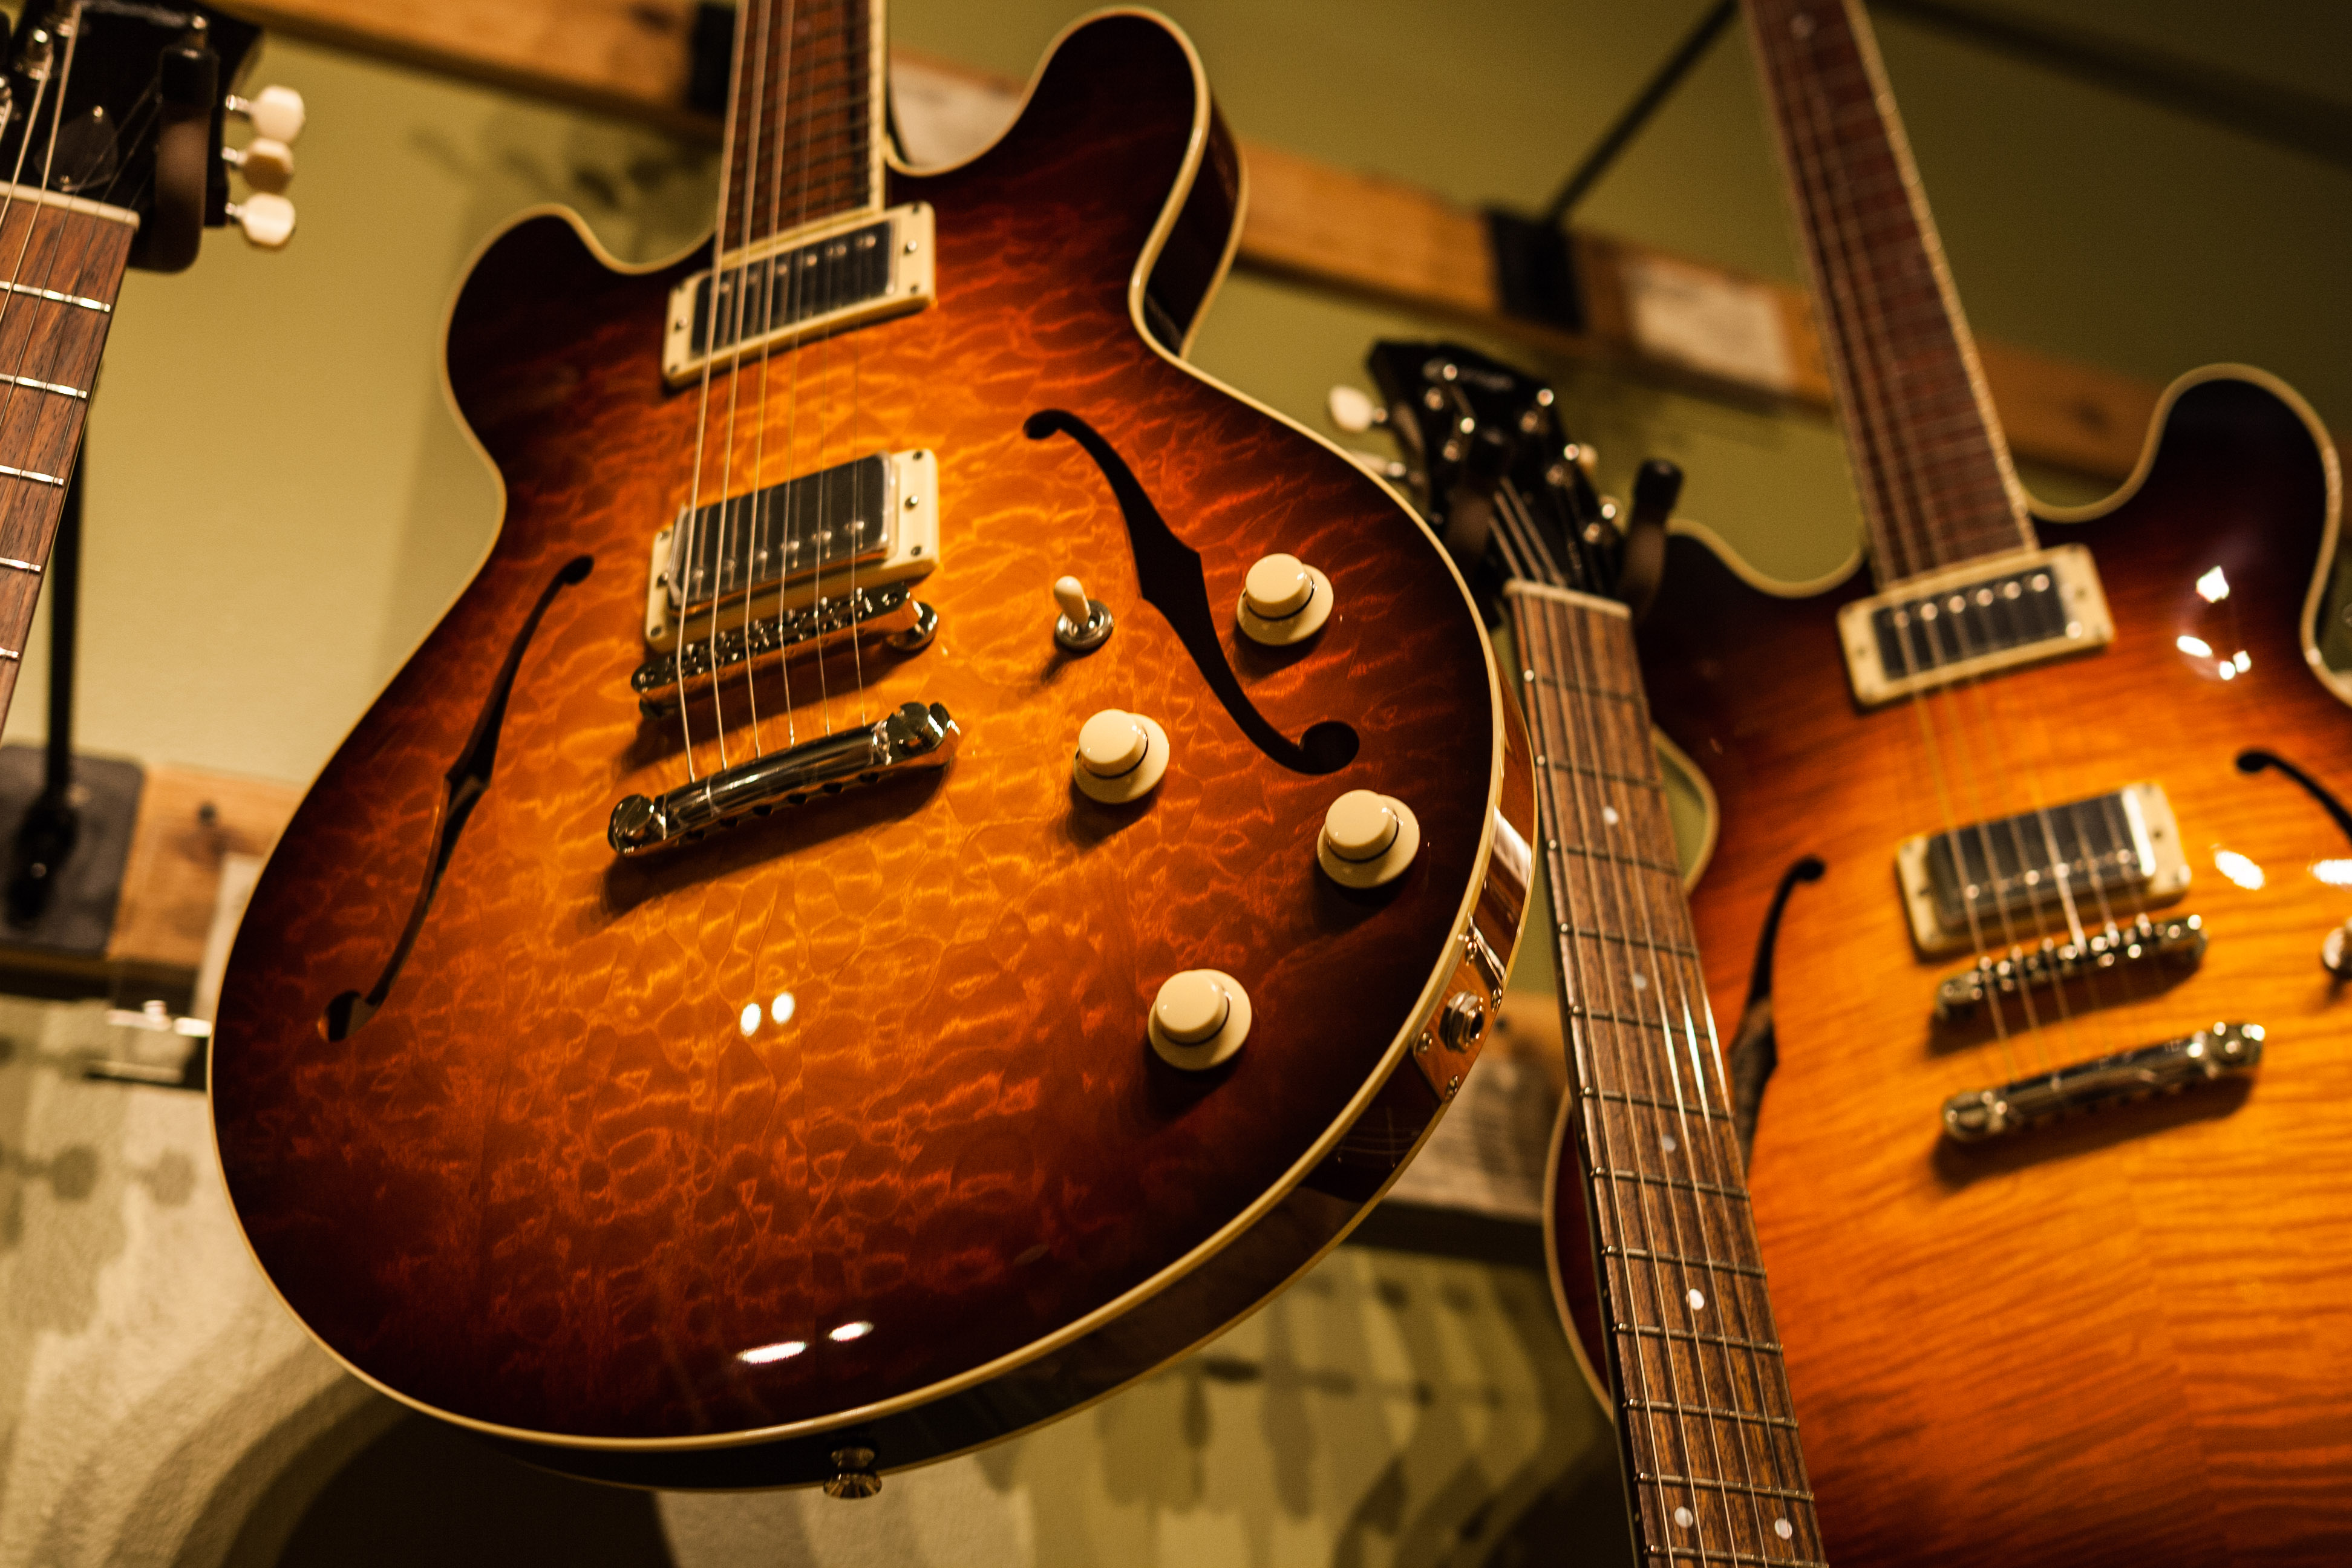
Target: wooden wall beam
[{"x": 1648, "y": 311}]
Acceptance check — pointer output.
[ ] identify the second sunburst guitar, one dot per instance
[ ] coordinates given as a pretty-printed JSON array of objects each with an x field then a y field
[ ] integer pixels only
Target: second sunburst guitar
[
  {"x": 941, "y": 858},
  {"x": 2035, "y": 1308}
]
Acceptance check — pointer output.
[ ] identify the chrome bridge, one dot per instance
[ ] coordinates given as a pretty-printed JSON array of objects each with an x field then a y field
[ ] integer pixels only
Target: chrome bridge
[
  {"x": 917, "y": 736},
  {"x": 2175, "y": 945},
  {"x": 2030, "y": 1102},
  {"x": 891, "y": 613}
]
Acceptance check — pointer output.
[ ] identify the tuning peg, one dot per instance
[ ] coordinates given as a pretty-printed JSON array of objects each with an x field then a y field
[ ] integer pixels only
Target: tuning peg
[
  {"x": 266, "y": 163},
  {"x": 274, "y": 112},
  {"x": 267, "y": 220},
  {"x": 1354, "y": 412}
]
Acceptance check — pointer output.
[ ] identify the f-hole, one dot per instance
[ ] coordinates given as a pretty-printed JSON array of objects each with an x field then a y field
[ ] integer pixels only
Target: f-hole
[
  {"x": 1174, "y": 583},
  {"x": 462, "y": 789}
]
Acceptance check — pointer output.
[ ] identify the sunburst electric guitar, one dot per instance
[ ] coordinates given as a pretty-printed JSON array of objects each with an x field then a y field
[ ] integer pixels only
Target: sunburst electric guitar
[
  {"x": 941, "y": 858},
  {"x": 2052, "y": 1177}
]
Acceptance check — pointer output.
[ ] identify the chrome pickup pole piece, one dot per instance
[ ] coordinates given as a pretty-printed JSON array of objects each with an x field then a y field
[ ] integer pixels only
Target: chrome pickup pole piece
[
  {"x": 892, "y": 612},
  {"x": 2174, "y": 944},
  {"x": 1932, "y": 630},
  {"x": 819, "y": 279},
  {"x": 2030, "y": 1102},
  {"x": 916, "y": 736}
]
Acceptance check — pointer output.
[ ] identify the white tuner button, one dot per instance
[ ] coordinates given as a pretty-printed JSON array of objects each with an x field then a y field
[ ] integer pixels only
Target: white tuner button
[
  {"x": 1367, "y": 839},
  {"x": 266, "y": 165},
  {"x": 1083, "y": 624},
  {"x": 1355, "y": 413},
  {"x": 1122, "y": 756},
  {"x": 1199, "y": 1019},
  {"x": 1283, "y": 600},
  {"x": 275, "y": 112},
  {"x": 267, "y": 220}
]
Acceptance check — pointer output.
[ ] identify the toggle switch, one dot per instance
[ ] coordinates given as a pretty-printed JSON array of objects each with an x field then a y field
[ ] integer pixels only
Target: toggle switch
[
  {"x": 1283, "y": 600},
  {"x": 1085, "y": 624},
  {"x": 1121, "y": 757},
  {"x": 1368, "y": 839},
  {"x": 1199, "y": 1019}
]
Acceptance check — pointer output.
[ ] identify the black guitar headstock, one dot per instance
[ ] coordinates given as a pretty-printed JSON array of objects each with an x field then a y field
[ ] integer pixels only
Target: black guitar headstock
[
  {"x": 123, "y": 102},
  {"x": 1503, "y": 483}
]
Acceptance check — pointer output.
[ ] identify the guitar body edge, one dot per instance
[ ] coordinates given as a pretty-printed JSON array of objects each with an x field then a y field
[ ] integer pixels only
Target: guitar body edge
[{"x": 551, "y": 1200}]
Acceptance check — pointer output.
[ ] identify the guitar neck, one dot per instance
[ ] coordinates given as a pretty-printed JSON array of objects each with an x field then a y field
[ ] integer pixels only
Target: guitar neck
[
  {"x": 805, "y": 117},
  {"x": 1706, "y": 1421},
  {"x": 1933, "y": 470},
  {"x": 63, "y": 262}
]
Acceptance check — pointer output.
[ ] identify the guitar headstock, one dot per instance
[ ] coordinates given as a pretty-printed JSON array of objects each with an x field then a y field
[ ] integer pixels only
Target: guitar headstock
[
  {"x": 1501, "y": 480},
  {"x": 124, "y": 103}
]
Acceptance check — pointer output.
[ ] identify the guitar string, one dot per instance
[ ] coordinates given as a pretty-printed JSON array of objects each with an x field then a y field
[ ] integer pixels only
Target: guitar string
[
  {"x": 39, "y": 203},
  {"x": 683, "y": 533},
  {"x": 856, "y": 387},
  {"x": 1807, "y": 172},
  {"x": 1635, "y": 886},
  {"x": 1529, "y": 548},
  {"x": 1597, "y": 1135},
  {"x": 727, "y": 505},
  {"x": 1991, "y": 723},
  {"x": 1902, "y": 505},
  {"x": 1514, "y": 522},
  {"x": 1585, "y": 1043},
  {"x": 764, "y": 505},
  {"x": 799, "y": 349},
  {"x": 1583, "y": 636}
]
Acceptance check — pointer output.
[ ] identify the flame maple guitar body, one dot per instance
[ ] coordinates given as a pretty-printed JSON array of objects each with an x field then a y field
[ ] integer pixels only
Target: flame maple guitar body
[
  {"x": 556, "y": 1186},
  {"x": 2122, "y": 1339}
]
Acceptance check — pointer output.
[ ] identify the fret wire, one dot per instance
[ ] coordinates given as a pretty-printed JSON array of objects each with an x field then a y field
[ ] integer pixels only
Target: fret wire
[
  {"x": 15, "y": 565},
  {"x": 1602, "y": 774},
  {"x": 1677, "y": 1184},
  {"x": 1636, "y": 1254},
  {"x": 1694, "y": 1336},
  {"x": 1540, "y": 636},
  {"x": 1792, "y": 1494},
  {"x": 7, "y": 472},
  {"x": 1566, "y": 929},
  {"x": 1710, "y": 1554},
  {"x": 55, "y": 297},
  {"x": 1616, "y": 1097},
  {"x": 1584, "y": 658},
  {"x": 1617, "y": 859},
  {"x": 28, "y": 381},
  {"x": 1657, "y": 1406}
]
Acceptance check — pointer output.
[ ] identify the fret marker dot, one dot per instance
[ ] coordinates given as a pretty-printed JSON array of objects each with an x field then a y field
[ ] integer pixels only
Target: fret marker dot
[
  {"x": 782, "y": 1008},
  {"x": 751, "y": 1019},
  {"x": 1783, "y": 1529},
  {"x": 1697, "y": 1301},
  {"x": 1667, "y": 1141},
  {"x": 1640, "y": 982},
  {"x": 1609, "y": 815},
  {"x": 1685, "y": 1517}
]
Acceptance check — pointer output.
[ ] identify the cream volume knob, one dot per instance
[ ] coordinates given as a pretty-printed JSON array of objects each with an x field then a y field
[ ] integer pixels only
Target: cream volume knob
[
  {"x": 1121, "y": 757},
  {"x": 1199, "y": 1019},
  {"x": 1367, "y": 839},
  {"x": 1283, "y": 600}
]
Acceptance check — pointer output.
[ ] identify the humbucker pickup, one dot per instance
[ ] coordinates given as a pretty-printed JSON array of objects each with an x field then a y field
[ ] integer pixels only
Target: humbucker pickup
[
  {"x": 1987, "y": 884},
  {"x": 801, "y": 285},
  {"x": 861, "y": 524},
  {"x": 1972, "y": 620}
]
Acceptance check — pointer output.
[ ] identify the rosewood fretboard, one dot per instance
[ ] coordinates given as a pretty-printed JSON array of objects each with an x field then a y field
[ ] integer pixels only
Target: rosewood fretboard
[
  {"x": 1707, "y": 1426},
  {"x": 1930, "y": 460},
  {"x": 62, "y": 262},
  {"x": 805, "y": 116}
]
